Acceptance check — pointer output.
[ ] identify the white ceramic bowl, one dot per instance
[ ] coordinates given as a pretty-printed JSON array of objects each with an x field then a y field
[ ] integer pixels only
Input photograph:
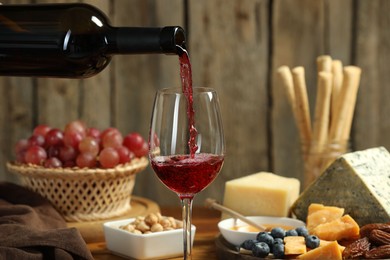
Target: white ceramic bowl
[
  {"x": 157, "y": 245},
  {"x": 236, "y": 237}
]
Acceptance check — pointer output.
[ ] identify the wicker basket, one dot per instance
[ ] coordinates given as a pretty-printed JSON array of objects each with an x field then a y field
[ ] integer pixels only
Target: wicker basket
[{"x": 83, "y": 194}]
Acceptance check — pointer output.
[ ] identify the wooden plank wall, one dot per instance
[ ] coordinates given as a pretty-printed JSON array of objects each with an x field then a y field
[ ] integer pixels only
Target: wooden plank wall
[{"x": 235, "y": 47}]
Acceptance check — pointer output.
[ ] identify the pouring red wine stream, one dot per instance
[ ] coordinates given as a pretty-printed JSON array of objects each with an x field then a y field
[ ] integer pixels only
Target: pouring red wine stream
[{"x": 186, "y": 81}]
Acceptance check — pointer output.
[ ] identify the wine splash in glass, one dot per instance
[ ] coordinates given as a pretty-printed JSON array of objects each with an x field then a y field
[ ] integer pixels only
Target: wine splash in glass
[{"x": 186, "y": 142}]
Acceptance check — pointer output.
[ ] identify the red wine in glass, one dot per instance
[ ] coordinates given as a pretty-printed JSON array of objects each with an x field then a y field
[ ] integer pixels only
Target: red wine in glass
[{"x": 187, "y": 175}]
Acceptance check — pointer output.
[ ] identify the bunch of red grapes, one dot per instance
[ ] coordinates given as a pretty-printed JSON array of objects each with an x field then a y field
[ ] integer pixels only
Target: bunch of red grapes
[{"x": 79, "y": 146}]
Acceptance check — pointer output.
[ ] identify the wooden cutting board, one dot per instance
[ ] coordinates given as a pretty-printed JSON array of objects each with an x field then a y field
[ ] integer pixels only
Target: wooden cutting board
[{"x": 92, "y": 231}]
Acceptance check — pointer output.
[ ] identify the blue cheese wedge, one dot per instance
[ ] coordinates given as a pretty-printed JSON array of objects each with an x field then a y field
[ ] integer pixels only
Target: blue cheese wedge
[{"x": 359, "y": 182}]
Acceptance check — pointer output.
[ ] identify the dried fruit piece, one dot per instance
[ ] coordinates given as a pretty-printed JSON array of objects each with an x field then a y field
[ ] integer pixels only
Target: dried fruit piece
[
  {"x": 366, "y": 229},
  {"x": 357, "y": 249},
  {"x": 379, "y": 237},
  {"x": 380, "y": 252}
]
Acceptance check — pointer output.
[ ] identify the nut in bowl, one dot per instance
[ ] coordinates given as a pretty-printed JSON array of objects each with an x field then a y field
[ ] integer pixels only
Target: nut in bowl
[
  {"x": 125, "y": 239},
  {"x": 236, "y": 232}
]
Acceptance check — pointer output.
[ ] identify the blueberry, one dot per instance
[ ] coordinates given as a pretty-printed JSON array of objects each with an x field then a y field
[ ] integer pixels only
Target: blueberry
[
  {"x": 265, "y": 237},
  {"x": 312, "y": 241},
  {"x": 278, "y": 250},
  {"x": 249, "y": 244},
  {"x": 278, "y": 240},
  {"x": 291, "y": 233},
  {"x": 278, "y": 232},
  {"x": 260, "y": 249},
  {"x": 302, "y": 231}
]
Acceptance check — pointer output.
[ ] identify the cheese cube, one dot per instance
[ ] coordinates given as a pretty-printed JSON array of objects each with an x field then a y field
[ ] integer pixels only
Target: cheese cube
[
  {"x": 330, "y": 251},
  {"x": 294, "y": 245},
  {"x": 261, "y": 194},
  {"x": 325, "y": 242},
  {"x": 319, "y": 214},
  {"x": 338, "y": 229},
  {"x": 359, "y": 182}
]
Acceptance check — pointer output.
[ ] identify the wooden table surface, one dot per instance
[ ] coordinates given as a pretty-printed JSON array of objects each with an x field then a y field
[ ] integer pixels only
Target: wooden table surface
[{"x": 205, "y": 221}]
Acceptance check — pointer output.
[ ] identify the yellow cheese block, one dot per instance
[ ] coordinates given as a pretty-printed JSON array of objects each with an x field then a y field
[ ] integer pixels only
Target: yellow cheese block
[
  {"x": 261, "y": 194},
  {"x": 294, "y": 245},
  {"x": 330, "y": 251}
]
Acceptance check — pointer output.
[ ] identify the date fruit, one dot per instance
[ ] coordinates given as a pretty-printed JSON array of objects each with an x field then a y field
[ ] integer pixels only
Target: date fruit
[
  {"x": 380, "y": 252},
  {"x": 379, "y": 237},
  {"x": 366, "y": 229},
  {"x": 357, "y": 249}
]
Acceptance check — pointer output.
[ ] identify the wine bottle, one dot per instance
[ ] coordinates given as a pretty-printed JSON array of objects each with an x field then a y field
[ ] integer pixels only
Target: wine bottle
[{"x": 72, "y": 40}]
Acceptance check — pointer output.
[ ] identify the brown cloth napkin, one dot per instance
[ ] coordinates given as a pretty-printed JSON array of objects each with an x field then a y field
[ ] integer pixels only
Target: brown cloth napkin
[{"x": 31, "y": 228}]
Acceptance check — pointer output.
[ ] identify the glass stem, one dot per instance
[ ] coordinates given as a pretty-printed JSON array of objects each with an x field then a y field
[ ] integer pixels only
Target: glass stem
[{"x": 186, "y": 204}]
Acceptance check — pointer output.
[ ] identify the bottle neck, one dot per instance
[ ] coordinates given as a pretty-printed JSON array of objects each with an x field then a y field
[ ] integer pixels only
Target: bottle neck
[{"x": 141, "y": 40}]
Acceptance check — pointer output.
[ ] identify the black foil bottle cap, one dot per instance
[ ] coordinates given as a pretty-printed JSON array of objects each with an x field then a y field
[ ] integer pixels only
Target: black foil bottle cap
[{"x": 171, "y": 37}]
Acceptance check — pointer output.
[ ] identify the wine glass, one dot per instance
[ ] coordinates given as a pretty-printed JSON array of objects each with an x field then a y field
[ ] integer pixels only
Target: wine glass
[{"x": 186, "y": 145}]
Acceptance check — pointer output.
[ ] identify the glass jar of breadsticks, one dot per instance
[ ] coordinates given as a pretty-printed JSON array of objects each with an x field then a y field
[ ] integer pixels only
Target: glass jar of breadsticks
[
  {"x": 325, "y": 135},
  {"x": 317, "y": 157}
]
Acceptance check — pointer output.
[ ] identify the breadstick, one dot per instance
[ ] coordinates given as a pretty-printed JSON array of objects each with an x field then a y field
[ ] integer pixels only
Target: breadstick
[
  {"x": 324, "y": 63},
  {"x": 337, "y": 71},
  {"x": 285, "y": 76},
  {"x": 302, "y": 104},
  {"x": 322, "y": 111},
  {"x": 346, "y": 104},
  {"x": 354, "y": 73},
  {"x": 314, "y": 160}
]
